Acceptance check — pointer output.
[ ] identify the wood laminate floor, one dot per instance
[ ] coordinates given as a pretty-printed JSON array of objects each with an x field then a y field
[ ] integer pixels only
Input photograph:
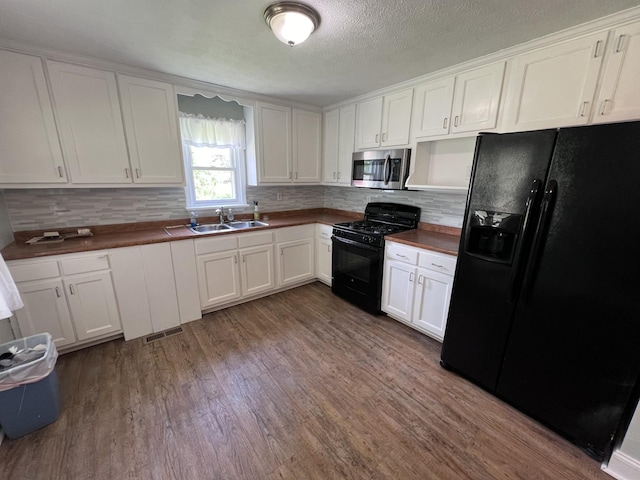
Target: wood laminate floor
[{"x": 299, "y": 385}]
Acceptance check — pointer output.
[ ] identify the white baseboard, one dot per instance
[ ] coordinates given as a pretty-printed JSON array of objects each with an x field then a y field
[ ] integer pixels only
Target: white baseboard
[{"x": 623, "y": 467}]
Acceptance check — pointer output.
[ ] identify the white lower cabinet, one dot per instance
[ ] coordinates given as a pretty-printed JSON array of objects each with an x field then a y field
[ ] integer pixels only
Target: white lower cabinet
[
  {"x": 295, "y": 246},
  {"x": 234, "y": 266},
  {"x": 72, "y": 297},
  {"x": 417, "y": 287},
  {"x": 323, "y": 253}
]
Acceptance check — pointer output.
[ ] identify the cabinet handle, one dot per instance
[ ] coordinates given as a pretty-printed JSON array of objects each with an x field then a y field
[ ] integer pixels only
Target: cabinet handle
[
  {"x": 445, "y": 122},
  {"x": 455, "y": 121},
  {"x": 137, "y": 173},
  {"x": 411, "y": 277},
  {"x": 436, "y": 265},
  {"x": 328, "y": 248},
  {"x": 57, "y": 292},
  {"x": 290, "y": 175},
  {"x": 296, "y": 177},
  {"x": 60, "y": 174},
  {"x": 235, "y": 259},
  {"x": 377, "y": 136},
  {"x": 338, "y": 175},
  {"x": 604, "y": 107},
  {"x": 619, "y": 44},
  {"x": 126, "y": 172},
  {"x": 384, "y": 137},
  {"x": 402, "y": 256},
  {"x": 334, "y": 175},
  {"x": 281, "y": 252},
  {"x": 583, "y": 110},
  {"x": 596, "y": 54},
  {"x": 420, "y": 279},
  {"x": 243, "y": 260},
  {"x": 71, "y": 289}
]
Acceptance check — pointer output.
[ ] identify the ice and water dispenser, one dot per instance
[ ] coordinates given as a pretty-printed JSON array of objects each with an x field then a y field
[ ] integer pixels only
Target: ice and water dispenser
[{"x": 493, "y": 235}]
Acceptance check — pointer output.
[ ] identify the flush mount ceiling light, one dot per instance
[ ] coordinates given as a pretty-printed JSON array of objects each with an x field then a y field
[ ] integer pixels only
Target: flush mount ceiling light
[{"x": 291, "y": 22}]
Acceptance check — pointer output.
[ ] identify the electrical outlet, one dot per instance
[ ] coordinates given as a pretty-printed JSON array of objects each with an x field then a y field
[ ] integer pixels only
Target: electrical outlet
[{"x": 278, "y": 196}]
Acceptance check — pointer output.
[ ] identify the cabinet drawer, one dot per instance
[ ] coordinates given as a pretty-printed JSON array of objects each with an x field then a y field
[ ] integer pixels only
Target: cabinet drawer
[
  {"x": 92, "y": 263},
  {"x": 218, "y": 244},
  {"x": 289, "y": 234},
  {"x": 408, "y": 255},
  {"x": 438, "y": 262},
  {"x": 255, "y": 239},
  {"x": 324, "y": 231},
  {"x": 34, "y": 271}
]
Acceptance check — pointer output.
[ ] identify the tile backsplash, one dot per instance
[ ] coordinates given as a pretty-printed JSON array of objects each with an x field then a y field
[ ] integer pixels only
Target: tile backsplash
[{"x": 39, "y": 209}]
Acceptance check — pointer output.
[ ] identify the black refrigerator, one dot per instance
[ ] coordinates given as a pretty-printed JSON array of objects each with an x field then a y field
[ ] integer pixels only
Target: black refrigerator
[{"x": 545, "y": 309}]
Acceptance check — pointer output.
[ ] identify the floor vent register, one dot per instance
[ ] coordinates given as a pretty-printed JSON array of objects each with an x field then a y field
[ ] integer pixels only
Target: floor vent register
[{"x": 160, "y": 335}]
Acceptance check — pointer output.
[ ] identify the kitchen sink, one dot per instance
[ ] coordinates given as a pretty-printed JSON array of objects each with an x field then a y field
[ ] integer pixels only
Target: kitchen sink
[
  {"x": 215, "y": 227},
  {"x": 247, "y": 224}
]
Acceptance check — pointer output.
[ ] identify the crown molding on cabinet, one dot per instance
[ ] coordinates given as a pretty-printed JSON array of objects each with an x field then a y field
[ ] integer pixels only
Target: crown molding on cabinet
[
  {"x": 180, "y": 82},
  {"x": 610, "y": 21}
]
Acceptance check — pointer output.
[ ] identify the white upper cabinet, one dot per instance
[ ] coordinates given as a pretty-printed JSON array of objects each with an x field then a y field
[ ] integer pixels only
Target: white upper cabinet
[
  {"x": 151, "y": 126},
  {"x": 307, "y": 146},
  {"x": 91, "y": 127},
  {"x": 619, "y": 97},
  {"x": 29, "y": 146},
  {"x": 432, "y": 108},
  {"x": 289, "y": 144},
  {"x": 338, "y": 146},
  {"x": 384, "y": 121},
  {"x": 554, "y": 86},
  {"x": 466, "y": 102}
]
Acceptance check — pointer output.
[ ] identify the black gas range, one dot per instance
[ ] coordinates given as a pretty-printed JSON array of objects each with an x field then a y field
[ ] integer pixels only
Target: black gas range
[{"x": 358, "y": 251}]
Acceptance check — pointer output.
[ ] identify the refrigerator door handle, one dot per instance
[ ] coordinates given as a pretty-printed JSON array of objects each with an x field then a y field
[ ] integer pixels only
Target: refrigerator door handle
[
  {"x": 546, "y": 210},
  {"x": 526, "y": 227}
]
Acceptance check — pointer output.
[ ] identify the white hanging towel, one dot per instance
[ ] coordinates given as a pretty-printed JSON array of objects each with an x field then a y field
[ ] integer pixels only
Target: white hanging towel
[{"x": 9, "y": 296}]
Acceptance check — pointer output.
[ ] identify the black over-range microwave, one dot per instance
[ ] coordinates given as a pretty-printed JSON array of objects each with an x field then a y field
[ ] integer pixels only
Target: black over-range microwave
[{"x": 386, "y": 169}]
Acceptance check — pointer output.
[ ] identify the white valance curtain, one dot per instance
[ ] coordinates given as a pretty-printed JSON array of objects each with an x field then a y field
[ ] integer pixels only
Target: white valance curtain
[{"x": 200, "y": 131}]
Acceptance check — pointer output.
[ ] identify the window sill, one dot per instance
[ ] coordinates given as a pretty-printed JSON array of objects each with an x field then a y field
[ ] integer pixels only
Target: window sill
[{"x": 213, "y": 208}]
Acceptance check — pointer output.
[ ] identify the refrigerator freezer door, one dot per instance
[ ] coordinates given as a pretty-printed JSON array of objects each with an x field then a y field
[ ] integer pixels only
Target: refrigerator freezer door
[
  {"x": 572, "y": 356},
  {"x": 505, "y": 168}
]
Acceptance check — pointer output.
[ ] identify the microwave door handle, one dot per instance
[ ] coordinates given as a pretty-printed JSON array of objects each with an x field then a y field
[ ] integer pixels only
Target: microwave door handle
[{"x": 387, "y": 170}]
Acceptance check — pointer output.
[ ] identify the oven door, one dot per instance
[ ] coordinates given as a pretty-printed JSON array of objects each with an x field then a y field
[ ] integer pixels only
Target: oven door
[{"x": 357, "y": 272}]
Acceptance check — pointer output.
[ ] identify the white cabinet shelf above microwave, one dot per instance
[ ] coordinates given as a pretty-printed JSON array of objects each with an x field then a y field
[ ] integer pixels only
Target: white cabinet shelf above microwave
[{"x": 442, "y": 164}]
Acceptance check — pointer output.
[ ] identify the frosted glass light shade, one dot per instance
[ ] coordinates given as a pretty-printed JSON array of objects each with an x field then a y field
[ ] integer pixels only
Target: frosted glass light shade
[{"x": 291, "y": 22}]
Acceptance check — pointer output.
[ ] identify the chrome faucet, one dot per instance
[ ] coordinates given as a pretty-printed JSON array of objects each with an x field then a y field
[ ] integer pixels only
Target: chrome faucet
[{"x": 220, "y": 211}]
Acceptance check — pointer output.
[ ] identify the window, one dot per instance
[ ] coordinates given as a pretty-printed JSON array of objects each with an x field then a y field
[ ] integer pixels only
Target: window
[{"x": 213, "y": 151}]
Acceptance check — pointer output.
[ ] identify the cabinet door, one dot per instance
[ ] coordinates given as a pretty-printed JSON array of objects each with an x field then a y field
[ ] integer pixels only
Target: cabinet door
[
  {"x": 218, "y": 278},
  {"x": 346, "y": 143},
  {"x": 323, "y": 260},
  {"x": 29, "y": 145},
  {"x": 296, "y": 261},
  {"x": 161, "y": 286},
  {"x": 91, "y": 127},
  {"x": 368, "y": 123},
  {"x": 93, "y": 305},
  {"x": 150, "y": 121},
  {"x": 307, "y": 146},
  {"x": 432, "y": 108},
  {"x": 330, "y": 145},
  {"x": 256, "y": 267},
  {"x": 396, "y": 118},
  {"x": 45, "y": 310},
  {"x": 619, "y": 99},
  {"x": 397, "y": 289},
  {"x": 185, "y": 272},
  {"x": 431, "y": 302},
  {"x": 477, "y": 98},
  {"x": 554, "y": 86},
  {"x": 274, "y": 143}
]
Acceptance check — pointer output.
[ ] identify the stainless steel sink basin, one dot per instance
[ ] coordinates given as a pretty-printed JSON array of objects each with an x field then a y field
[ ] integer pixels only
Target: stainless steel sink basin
[
  {"x": 215, "y": 227},
  {"x": 247, "y": 224}
]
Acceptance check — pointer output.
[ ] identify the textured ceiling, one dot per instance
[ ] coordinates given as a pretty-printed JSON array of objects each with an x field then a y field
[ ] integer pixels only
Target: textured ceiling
[{"x": 360, "y": 46}]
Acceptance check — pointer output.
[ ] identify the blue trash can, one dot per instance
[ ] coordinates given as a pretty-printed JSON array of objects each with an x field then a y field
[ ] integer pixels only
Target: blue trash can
[{"x": 29, "y": 397}]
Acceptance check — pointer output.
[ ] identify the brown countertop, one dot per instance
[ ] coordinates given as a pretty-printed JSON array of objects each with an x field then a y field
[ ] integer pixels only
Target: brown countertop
[{"x": 433, "y": 237}]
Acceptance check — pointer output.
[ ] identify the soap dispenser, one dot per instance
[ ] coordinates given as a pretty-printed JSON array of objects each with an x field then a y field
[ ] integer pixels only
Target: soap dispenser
[
  {"x": 256, "y": 212},
  {"x": 230, "y": 216},
  {"x": 193, "y": 219}
]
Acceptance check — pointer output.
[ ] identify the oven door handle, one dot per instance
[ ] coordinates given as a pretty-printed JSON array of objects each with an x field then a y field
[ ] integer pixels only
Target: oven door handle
[{"x": 364, "y": 246}]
